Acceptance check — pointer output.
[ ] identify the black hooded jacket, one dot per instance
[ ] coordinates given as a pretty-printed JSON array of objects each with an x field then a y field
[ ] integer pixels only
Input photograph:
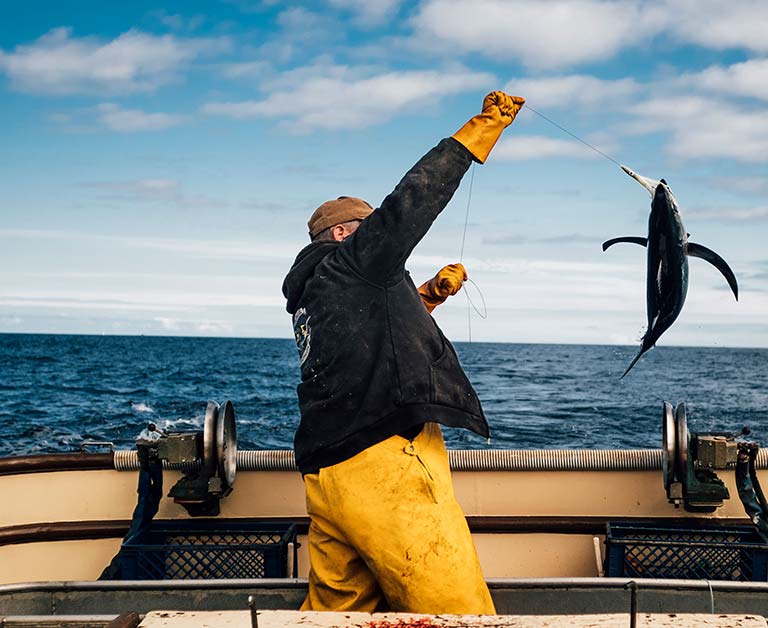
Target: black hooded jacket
[{"x": 373, "y": 361}]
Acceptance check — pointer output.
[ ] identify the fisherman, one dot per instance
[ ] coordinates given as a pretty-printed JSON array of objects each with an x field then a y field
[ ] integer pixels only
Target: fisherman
[{"x": 377, "y": 378}]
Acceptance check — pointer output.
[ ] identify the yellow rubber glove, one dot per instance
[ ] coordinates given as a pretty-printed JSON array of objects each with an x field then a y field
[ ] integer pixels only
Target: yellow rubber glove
[
  {"x": 481, "y": 133},
  {"x": 445, "y": 283}
]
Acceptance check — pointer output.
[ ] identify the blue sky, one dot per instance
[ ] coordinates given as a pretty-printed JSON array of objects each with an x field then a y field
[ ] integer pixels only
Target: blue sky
[{"x": 160, "y": 159}]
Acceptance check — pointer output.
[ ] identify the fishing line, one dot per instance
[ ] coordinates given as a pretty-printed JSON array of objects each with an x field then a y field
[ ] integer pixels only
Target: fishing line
[
  {"x": 469, "y": 317},
  {"x": 573, "y": 135},
  {"x": 470, "y": 304},
  {"x": 466, "y": 217},
  {"x": 484, "y": 313}
]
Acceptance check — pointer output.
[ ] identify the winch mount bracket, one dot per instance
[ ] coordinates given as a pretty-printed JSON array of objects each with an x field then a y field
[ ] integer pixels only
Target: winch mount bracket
[
  {"x": 689, "y": 462},
  {"x": 207, "y": 459}
]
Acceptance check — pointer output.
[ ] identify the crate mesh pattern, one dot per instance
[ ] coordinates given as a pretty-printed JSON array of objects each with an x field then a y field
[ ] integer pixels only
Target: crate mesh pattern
[
  {"x": 179, "y": 554},
  {"x": 708, "y": 553}
]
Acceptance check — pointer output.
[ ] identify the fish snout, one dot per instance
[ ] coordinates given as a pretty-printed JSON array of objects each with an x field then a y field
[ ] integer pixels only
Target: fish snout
[{"x": 648, "y": 184}]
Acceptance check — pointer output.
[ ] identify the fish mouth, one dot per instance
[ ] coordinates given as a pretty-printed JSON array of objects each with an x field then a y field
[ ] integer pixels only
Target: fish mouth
[
  {"x": 664, "y": 194},
  {"x": 662, "y": 189},
  {"x": 648, "y": 184}
]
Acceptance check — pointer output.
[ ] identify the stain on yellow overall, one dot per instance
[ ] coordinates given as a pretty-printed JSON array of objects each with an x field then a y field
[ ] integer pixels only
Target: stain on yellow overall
[{"x": 386, "y": 533}]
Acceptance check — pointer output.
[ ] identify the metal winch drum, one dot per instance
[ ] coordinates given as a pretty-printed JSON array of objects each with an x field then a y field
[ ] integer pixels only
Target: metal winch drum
[
  {"x": 207, "y": 458},
  {"x": 220, "y": 441},
  {"x": 690, "y": 461}
]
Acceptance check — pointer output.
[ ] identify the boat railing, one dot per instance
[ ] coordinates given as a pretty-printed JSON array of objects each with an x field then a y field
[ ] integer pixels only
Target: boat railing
[{"x": 467, "y": 460}]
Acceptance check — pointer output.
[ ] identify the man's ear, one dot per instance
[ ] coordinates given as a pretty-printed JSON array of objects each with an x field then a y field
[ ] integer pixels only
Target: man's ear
[{"x": 338, "y": 232}]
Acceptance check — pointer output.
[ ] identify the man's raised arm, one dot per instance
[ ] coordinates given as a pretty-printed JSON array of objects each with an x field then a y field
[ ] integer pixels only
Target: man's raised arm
[{"x": 382, "y": 243}]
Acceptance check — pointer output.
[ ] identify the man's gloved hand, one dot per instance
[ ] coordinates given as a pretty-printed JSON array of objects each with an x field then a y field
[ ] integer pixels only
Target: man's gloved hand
[
  {"x": 445, "y": 283},
  {"x": 481, "y": 133},
  {"x": 507, "y": 106}
]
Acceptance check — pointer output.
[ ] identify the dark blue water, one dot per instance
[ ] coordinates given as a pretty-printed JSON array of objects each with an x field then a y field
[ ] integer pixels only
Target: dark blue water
[{"x": 56, "y": 391}]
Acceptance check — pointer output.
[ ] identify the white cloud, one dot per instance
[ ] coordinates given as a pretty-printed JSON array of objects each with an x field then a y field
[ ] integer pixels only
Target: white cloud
[
  {"x": 11, "y": 321},
  {"x": 298, "y": 19},
  {"x": 743, "y": 184},
  {"x": 145, "y": 189},
  {"x": 561, "y": 33},
  {"x": 195, "y": 326},
  {"x": 59, "y": 63},
  {"x": 122, "y": 120},
  {"x": 549, "y": 34},
  {"x": 246, "y": 69},
  {"x": 715, "y": 24},
  {"x": 166, "y": 192},
  {"x": 162, "y": 296},
  {"x": 343, "y": 99},
  {"x": 178, "y": 22},
  {"x": 301, "y": 29},
  {"x": 700, "y": 115},
  {"x": 730, "y": 214},
  {"x": 575, "y": 90},
  {"x": 222, "y": 249},
  {"x": 61, "y": 118},
  {"x": 749, "y": 79},
  {"x": 369, "y": 12},
  {"x": 168, "y": 323},
  {"x": 700, "y": 127},
  {"x": 158, "y": 185},
  {"x": 525, "y": 147}
]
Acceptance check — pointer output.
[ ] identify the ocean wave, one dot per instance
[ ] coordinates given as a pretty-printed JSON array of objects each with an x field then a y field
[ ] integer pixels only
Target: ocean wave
[
  {"x": 87, "y": 390},
  {"x": 534, "y": 395},
  {"x": 171, "y": 425}
]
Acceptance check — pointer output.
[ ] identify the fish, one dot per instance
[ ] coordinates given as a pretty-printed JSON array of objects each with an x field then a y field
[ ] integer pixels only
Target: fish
[{"x": 668, "y": 250}]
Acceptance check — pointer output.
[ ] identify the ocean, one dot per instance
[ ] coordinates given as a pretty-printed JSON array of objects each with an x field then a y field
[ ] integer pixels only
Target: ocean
[{"x": 57, "y": 391}]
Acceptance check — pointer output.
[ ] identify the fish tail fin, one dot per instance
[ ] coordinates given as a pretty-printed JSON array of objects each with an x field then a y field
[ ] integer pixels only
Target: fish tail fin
[{"x": 643, "y": 349}]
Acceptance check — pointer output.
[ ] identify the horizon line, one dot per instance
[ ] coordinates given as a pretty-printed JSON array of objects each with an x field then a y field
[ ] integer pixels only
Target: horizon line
[{"x": 289, "y": 339}]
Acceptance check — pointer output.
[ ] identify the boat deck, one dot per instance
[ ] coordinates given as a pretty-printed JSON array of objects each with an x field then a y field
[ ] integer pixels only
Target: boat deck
[
  {"x": 540, "y": 527},
  {"x": 515, "y": 597},
  {"x": 299, "y": 619}
]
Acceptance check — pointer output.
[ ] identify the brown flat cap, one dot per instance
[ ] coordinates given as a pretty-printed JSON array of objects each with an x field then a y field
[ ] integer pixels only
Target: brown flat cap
[{"x": 343, "y": 209}]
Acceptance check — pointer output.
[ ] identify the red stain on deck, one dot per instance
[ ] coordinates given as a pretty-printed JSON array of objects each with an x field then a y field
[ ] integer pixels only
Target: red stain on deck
[{"x": 423, "y": 622}]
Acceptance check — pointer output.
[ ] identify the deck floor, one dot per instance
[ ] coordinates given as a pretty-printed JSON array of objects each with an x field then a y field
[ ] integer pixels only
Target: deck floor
[{"x": 299, "y": 619}]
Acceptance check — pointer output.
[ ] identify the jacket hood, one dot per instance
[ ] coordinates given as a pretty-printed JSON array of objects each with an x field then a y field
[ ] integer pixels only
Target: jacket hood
[{"x": 303, "y": 268}]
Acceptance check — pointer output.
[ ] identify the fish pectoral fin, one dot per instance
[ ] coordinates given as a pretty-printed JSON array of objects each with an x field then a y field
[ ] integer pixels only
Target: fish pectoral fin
[
  {"x": 696, "y": 250},
  {"x": 630, "y": 239}
]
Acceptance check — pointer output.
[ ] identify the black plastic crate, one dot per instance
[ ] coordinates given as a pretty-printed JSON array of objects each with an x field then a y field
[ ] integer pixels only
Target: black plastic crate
[
  {"x": 640, "y": 550},
  {"x": 195, "y": 549}
]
